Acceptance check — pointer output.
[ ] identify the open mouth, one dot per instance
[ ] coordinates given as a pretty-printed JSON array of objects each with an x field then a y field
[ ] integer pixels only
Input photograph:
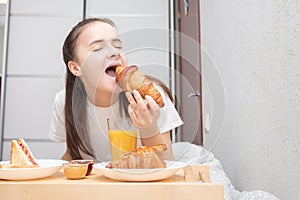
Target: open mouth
[{"x": 111, "y": 70}]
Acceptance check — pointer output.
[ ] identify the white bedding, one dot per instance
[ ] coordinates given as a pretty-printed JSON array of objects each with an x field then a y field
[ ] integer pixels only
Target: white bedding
[{"x": 193, "y": 154}]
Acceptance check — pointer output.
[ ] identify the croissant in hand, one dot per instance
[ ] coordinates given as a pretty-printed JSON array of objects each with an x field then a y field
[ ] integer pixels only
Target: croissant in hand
[{"x": 130, "y": 78}]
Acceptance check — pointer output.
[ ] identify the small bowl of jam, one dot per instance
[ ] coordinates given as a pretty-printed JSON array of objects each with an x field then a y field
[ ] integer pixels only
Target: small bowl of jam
[
  {"x": 90, "y": 164},
  {"x": 75, "y": 170}
]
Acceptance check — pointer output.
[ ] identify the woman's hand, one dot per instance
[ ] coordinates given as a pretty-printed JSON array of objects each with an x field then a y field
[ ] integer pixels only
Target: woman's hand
[{"x": 143, "y": 114}]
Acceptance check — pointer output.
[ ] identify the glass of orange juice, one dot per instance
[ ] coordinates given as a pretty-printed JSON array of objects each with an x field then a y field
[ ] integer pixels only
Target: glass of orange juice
[{"x": 122, "y": 136}]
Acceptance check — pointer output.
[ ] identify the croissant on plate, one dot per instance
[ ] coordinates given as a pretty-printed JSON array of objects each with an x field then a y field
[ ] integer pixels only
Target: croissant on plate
[
  {"x": 142, "y": 158},
  {"x": 130, "y": 78}
]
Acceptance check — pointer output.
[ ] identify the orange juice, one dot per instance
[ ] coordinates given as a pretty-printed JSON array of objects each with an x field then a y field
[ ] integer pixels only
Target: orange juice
[{"x": 122, "y": 141}]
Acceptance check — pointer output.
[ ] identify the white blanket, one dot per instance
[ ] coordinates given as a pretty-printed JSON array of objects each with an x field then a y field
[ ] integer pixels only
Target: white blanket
[{"x": 193, "y": 154}]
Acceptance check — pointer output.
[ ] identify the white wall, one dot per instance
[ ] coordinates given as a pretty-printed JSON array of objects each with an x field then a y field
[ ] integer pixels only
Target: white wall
[
  {"x": 2, "y": 25},
  {"x": 1, "y": 45},
  {"x": 144, "y": 30},
  {"x": 36, "y": 63},
  {"x": 255, "y": 45},
  {"x": 34, "y": 72}
]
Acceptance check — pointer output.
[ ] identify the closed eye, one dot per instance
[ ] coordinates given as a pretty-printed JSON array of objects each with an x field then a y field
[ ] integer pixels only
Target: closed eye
[
  {"x": 117, "y": 43},
  {"x": 97, "y": 49}
]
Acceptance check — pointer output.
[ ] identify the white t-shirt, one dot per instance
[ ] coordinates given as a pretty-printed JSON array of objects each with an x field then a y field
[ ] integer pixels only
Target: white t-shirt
[{"x": 97, "y": 123}]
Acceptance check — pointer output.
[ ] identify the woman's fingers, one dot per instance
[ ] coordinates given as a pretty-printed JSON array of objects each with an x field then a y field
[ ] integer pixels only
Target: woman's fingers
[
  {"x": 136, "y": 101},
  {"x": 131, "y": 99},
  {"x": 138, "y": 120},
  {"x": 132, "y": 114},
  {"x": 150, "y": 102},
  {"x": 142, "y": 112},
  {"x": 153, "y": 106}
]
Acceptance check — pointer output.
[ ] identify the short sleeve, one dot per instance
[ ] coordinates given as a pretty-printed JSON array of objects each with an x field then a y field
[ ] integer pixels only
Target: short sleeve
[
  {"x": 169, "y": 117},
  {"x": 57, "y": 131}
]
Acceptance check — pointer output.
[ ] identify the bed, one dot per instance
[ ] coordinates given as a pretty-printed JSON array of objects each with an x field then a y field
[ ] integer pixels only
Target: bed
[{"x": 193, "y": 154}]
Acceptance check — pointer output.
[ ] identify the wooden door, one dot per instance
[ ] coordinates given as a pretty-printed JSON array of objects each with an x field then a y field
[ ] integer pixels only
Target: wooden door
[{"x": 189, "y": 67}]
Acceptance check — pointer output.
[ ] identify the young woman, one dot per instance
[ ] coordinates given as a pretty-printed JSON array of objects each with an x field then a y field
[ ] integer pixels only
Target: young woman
[{"x": 91, "y": 51}]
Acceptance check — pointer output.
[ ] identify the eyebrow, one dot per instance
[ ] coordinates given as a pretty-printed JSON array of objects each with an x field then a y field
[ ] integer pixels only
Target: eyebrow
[
  {"x": 116, "y": 40},
  {"x": 96, "y": 41},
  {"x": 101, "y": 41}
]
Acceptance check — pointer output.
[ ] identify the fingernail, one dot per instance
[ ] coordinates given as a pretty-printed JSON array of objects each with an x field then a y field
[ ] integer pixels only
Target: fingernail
[{"x": 128, "y": 94}]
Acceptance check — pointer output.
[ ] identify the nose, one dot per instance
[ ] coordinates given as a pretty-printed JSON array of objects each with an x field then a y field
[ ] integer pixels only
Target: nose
[{"x": 114, "y": 52}]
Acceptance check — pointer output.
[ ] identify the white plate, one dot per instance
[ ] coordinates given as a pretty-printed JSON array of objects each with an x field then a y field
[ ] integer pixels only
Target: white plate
[
  {"x": 47, "y": 168},
  {"x": 140, "y": 174}
]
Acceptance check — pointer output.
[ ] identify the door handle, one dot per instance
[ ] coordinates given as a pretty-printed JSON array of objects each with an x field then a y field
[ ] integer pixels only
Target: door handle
[
  {"x": 186, "y": 7},
  {"x": 194, "y": 94}
]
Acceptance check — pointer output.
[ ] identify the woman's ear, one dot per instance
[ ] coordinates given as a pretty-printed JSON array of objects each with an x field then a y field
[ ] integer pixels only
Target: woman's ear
[{"x": 74, "y": 68}]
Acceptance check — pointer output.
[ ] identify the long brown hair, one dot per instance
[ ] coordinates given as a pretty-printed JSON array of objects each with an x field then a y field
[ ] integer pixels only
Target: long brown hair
[
  {"x": 75, "y": 98},
  {"x": 77, "y": 133}
]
